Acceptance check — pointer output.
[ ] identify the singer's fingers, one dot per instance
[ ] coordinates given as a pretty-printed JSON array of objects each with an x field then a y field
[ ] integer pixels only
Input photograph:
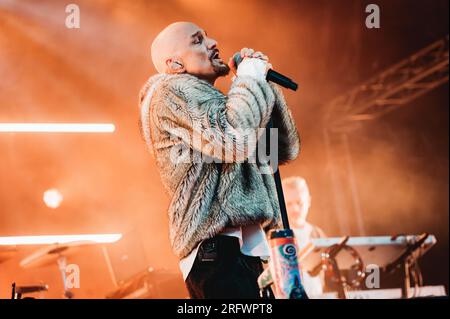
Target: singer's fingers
[
  {"x": 246, "y": 52},
  {"x": 260, "y": 55},
  {"x": 257, "y": 54}
]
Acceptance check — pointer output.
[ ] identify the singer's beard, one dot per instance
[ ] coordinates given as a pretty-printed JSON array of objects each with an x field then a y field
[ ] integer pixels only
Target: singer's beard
[{"x": 220, "y": 68}]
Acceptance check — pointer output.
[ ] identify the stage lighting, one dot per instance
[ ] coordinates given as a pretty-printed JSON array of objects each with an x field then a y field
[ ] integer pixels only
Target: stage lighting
[
  {"x": 58, "y": 239},
  {"x": 57, "y": 127},
  {"x": 52, "y": 198}
]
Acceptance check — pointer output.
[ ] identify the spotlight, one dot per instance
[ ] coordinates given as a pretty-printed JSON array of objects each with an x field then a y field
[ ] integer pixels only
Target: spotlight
[{"x": 52, "y": 198}]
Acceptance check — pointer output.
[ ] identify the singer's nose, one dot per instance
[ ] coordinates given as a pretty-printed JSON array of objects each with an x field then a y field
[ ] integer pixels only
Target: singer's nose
[{"x": 212, "y": 44}]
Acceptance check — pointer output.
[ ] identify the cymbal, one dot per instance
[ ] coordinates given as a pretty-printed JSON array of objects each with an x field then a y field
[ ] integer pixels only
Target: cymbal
[{"x": 50, "y": 254}]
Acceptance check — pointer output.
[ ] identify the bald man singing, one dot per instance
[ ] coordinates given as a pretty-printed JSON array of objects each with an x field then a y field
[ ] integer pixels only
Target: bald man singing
[{"x": 221, "y": 206}]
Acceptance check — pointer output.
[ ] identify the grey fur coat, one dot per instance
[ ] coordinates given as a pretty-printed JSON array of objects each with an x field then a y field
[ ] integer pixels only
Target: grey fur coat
[{"x": 207, "y": 197}]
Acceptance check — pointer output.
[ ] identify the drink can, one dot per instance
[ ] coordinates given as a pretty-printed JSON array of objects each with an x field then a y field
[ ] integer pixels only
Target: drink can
[{"x": 284, "y": 265}]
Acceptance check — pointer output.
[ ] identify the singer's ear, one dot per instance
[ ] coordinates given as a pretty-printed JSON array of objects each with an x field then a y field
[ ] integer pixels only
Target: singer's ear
[{"x": 175, "y": 66}]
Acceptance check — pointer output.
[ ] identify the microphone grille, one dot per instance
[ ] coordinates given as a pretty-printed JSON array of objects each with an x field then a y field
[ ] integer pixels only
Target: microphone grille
[{"x": 237, "y": 58}]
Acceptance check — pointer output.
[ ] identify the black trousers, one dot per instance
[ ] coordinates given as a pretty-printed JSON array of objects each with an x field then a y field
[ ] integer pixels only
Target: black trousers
[{"x": 220, "y": 270}]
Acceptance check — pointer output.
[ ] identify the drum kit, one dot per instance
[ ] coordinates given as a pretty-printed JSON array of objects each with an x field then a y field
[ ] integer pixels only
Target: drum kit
[
  {"x": 43, "y": 257},
  {"x": 129, "y": 271},
  {"x": 51, "y": 253}
]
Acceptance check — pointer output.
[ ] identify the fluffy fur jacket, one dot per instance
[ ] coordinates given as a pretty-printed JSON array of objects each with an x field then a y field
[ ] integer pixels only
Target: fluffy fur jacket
[{"x": 206, "y": 196}]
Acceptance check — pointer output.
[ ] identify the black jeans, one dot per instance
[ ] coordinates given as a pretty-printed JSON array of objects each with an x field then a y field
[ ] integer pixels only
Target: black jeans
[{"x": 220, "y": 270}]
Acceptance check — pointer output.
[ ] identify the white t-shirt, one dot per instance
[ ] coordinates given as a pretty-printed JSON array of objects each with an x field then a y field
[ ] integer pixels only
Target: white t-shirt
[{"x": 313, "y": 285}]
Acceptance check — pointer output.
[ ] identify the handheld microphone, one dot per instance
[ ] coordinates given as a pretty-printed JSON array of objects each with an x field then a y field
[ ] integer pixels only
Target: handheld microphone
[{"x": 272, "y": 76}]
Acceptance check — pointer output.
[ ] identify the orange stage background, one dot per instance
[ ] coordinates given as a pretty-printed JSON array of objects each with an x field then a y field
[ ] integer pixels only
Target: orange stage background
[{"x": 49, "y": 73}]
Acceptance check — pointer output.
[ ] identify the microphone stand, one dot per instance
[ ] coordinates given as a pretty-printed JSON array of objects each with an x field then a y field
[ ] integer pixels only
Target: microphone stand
[
  {"x": 329, "y": 257},
  {"x": 404, "y": 260},
  {"x": 277, "y": 178},
  {"x": 266, "y": 278}
]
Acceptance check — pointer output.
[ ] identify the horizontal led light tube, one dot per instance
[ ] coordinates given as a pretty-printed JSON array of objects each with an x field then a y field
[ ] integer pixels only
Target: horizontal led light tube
[
  {"x": 57, "y": 127},
  {"x": 57, "y": 239}
]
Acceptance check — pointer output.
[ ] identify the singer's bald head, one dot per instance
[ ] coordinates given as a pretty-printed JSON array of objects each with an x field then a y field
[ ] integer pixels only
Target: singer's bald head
[
  {"x": 183, "y": 47},
  {"x": 168, "y": 42}
]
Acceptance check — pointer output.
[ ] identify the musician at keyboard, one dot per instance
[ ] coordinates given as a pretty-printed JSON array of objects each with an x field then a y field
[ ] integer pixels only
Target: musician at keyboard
[{"x": 298, "y": 202}]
